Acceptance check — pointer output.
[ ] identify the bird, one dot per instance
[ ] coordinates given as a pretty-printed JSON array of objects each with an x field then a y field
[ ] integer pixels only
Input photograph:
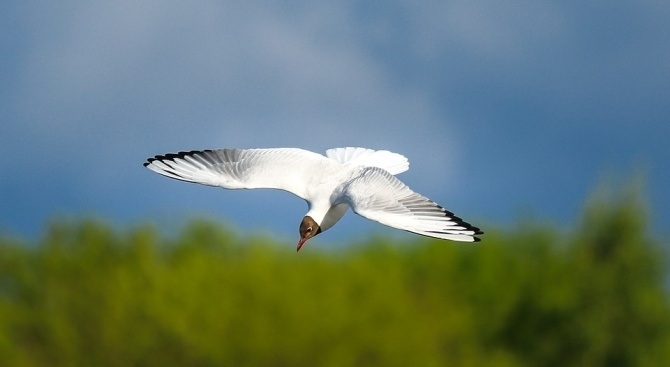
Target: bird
[{"x": 352, "y": 177}]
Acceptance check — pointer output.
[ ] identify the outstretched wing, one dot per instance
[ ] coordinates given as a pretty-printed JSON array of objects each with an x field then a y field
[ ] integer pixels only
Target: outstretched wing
[
  {"x": 282, "y": 168},
  {"x": 377, "y": 195}
]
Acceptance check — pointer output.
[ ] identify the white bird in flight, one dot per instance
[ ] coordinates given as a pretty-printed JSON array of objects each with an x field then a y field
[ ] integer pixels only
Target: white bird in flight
[{"x": 357, "y": 178}]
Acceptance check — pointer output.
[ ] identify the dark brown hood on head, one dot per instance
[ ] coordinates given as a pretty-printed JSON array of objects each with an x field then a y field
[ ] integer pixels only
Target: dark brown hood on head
[{"x": 308, "y": 229}]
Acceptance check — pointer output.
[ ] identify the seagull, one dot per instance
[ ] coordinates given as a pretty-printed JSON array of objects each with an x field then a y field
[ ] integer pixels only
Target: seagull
[{"x": 357, "y": 178}]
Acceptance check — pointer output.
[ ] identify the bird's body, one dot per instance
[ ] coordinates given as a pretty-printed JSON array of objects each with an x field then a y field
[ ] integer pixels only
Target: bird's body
[{"x": 357, "y": 178}]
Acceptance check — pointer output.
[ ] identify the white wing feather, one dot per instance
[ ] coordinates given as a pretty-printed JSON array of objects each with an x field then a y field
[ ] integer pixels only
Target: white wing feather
[
  {"x": 282, "y": 168},
  {"x": 377, "y": 195}
]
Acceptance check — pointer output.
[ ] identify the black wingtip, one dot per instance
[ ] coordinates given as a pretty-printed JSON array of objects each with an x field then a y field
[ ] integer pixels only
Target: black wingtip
[
  {"x": 459, "y": 221},
  {"x": 152, "y": 159},
  {"x": 168, "y": 157},
  {"x": 173, "y": 156}
]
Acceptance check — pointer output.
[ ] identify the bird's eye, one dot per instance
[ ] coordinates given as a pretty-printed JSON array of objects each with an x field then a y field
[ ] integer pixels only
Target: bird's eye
[{"x": 309, "y": 229}]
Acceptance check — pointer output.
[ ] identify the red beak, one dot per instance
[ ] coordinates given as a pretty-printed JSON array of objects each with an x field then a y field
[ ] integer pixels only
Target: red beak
[{"x": 301, "y": 242}]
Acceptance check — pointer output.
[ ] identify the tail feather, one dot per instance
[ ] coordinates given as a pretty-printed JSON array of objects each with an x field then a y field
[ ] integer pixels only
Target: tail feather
[{"x": 394, "y": 163}]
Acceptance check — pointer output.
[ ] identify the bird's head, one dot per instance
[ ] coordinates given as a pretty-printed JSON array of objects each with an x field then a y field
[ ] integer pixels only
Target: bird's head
[{"x": 308, "y": 229}]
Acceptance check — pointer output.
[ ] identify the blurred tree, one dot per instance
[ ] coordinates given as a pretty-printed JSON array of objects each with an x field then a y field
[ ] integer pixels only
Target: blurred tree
[{"x": 86, "y": 295}]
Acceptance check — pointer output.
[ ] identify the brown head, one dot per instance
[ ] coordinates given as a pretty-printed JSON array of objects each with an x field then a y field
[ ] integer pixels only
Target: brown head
[{"x": 308, "y": 229}]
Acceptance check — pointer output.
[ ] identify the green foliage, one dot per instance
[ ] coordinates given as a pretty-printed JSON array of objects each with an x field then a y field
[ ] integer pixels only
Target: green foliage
[{"x": 86, "y": 295}]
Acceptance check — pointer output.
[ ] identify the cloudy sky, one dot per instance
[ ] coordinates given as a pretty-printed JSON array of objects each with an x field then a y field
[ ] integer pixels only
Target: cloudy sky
[{"x": 505, "y": 110}]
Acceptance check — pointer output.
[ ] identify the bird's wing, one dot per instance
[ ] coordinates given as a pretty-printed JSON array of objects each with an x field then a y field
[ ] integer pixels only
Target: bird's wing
[
  {"x": 393, "y": 162},
  {"x": 377, "y": 195},
  {"x": 281, "y": 168}
]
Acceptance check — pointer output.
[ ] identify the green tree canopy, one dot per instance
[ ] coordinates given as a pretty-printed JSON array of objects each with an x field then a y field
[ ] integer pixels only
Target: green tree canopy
[{"x": 89, "y": 295}]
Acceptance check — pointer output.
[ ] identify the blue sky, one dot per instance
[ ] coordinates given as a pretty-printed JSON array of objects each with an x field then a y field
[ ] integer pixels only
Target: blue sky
[{"x": 505, "y": 110}]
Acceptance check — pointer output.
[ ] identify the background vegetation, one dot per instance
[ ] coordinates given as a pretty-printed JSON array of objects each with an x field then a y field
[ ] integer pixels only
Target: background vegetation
[{"x": 88, "y": 295}]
